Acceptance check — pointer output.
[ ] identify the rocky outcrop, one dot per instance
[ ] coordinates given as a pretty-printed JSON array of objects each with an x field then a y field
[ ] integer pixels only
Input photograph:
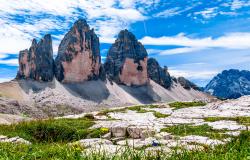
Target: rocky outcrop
[
  {"x": 158, "y": 74},
  {"x": 187, "y": 84},
  {"x": 126, "y": 61},
  {"x": 230, "y": 84},
  {"x": 78, "y": 57},
  {"x": 37, "y": 62}
]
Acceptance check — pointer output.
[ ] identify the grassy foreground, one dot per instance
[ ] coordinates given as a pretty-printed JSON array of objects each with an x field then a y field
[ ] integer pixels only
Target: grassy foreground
[
  {"x": 52, "y": 130},
  {"x": 238, "y": 149}
]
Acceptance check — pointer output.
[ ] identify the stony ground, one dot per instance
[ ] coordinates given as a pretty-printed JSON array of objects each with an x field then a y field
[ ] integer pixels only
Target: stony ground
[
  {"x": 162, "y": 127},
  {"x": 191, "y": 125}
]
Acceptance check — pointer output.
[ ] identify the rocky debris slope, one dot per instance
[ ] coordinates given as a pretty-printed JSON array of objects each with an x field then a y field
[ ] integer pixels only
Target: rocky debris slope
[
  {"x": 230, "y": 84},
  {"x": 142, "y": 129},
  {"x": 39, "y": 100},
  {"x": 37, "y": 62},
  {"x": 158, "y": 74},
  {"x": 126, "y": 61},
  {"x": 78, "y": 54}
]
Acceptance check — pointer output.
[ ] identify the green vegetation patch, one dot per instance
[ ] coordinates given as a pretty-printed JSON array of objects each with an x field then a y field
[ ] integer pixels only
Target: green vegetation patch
[
  {"x": 240, "y": 120},
  {"x": 52, "y": 130},
  {"x": 179, "y": 105},
  {"x": 160, "y": 115},
  {"x": 138, "y": 108},
  {"x": 106, "y": 111},
  {"x": 202, "y": 130}
]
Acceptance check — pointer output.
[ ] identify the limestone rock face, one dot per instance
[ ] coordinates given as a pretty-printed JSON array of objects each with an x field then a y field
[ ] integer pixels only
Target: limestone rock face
[
  {"x": 37, "y": 62},
  {"x": 78, "y": 57},
  {"x": 158, "y": 74},
  {"x": 126, "y": 61}
]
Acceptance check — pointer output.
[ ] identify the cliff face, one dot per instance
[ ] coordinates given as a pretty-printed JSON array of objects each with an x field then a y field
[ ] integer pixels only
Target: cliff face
[
  {"x": 230, "y": 84},
  {"x": 158, "y": 74},
  {"x": 78, "y": 57},
  {"x": 126, "y": 61},
  {"x": 37, "y": 62}
]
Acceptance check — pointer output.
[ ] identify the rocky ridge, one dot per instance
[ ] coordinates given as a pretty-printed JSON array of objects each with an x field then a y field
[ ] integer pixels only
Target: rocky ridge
[
  {"x": 230, "y": 84},
  {"x": 158, "y": 74}
]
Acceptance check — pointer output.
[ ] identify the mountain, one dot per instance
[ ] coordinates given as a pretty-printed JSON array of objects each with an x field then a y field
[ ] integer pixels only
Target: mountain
[
  {"x": 230, "y": 84},
  {"x": 77, "y": 82}
]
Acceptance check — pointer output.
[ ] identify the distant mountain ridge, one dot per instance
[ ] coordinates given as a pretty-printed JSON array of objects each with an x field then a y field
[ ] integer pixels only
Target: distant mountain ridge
[{"x": 230, "y": 84}]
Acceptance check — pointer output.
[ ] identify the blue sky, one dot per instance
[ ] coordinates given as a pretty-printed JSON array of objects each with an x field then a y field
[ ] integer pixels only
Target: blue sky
[{"x": 195, "y": 39}]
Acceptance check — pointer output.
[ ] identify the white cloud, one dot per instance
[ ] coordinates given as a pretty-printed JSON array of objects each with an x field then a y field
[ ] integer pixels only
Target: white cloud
[
  {"x": 10, "y": 62},
  {"x": 229, "y": 41},
  {"x": 5, "y": 79},
  {"x": 107, "y": 17},
  {"x": 193, "y": 74}
]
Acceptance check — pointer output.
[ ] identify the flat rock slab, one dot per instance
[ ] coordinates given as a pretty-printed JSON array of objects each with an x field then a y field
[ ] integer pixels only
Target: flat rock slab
[
  {"x": 228, "y": 125},
  {"x": 93, "y": 142},
  {"x": 176, "y": 121},
  {"x": 201, "y": 140},
  {"x": 16, "y": 140},
  {"x": 137, "y": 143},
  {"x": 107, "y": 149}
]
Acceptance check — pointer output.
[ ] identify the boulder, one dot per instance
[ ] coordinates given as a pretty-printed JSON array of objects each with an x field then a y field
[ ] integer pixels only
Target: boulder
[
  {"x": 78, "y": 56},
  {"x": 158, "y": 74},
  {"x": 37, "y": 62},
  {"x": 140, "y": 132},
  {"x": 119, "y": 130},
  {"x": 126, "y": 61}
]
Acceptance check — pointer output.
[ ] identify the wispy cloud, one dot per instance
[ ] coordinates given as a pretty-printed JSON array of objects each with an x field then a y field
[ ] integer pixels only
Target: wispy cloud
[
  {"x": 237, "y": 4},
  {"x": 208, "y": 13},
  {"x": 9, "y": 62},
  {"x": 229, "y": 41},
  {"x": 193, "y": 74},
  {"x": 174, "y": 51}
]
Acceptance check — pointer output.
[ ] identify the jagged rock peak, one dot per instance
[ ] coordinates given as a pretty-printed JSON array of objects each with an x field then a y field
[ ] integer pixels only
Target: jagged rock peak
[
  {"x": 231, "y": 83},
  {"x": 158, "y": 74},
  {"x": 37, "y": 62},
  {"x": 78, "y": 57},
  {"x": 187, "y": 84},
  {"x": 126, "y": 61}
]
